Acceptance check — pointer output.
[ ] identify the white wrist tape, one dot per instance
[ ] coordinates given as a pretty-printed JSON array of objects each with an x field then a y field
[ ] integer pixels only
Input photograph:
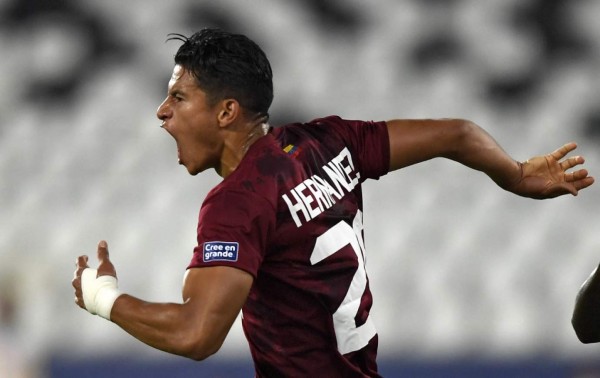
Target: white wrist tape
[{"x": 99, "y": 293}]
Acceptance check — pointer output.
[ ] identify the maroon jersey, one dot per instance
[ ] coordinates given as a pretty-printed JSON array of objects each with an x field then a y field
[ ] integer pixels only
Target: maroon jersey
[{"x": 291, "y": 215}]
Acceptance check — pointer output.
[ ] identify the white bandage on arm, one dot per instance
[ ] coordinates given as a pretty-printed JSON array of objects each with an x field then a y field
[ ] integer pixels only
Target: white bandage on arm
[{"x": 99, "y": 293}]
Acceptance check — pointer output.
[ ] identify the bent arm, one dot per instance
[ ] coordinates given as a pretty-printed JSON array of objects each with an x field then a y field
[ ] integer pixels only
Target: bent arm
[
  {"x": 586, "y": 314},
  {"x": 196, "y": 328},
  {"x": 414, "y": 141},
  {"x": 540, "y": 177}
]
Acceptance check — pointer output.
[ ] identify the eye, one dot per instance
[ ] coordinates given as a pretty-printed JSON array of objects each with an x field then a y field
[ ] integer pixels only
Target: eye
[{"x": 176, "y": 96}]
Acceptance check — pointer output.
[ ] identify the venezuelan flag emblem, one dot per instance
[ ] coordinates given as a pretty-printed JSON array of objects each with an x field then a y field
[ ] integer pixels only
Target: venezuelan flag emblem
[{"x": 292, "y": 150}]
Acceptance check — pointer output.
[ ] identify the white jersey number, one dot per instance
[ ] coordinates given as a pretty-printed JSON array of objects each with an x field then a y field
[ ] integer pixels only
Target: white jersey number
[{"x": 349, "y": 337}]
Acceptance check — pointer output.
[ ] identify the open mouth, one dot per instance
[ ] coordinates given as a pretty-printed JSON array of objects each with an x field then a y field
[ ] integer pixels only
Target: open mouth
[{"x": 177, "y": 144}]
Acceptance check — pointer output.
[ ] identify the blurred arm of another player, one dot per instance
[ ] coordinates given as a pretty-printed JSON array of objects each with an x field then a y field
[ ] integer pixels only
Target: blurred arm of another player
[
  {"x": 195, "y": 328},
  {"x": 540, "y": 177},
  {"x": 586, "y": 314}
]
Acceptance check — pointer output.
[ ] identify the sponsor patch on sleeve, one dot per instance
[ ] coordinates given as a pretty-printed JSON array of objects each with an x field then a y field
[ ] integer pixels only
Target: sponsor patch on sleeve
[{"x": 220, "y": 251}]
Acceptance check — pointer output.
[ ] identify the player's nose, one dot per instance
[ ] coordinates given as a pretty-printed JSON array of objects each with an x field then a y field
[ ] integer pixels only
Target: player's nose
[{"x": 163, "y": 112}]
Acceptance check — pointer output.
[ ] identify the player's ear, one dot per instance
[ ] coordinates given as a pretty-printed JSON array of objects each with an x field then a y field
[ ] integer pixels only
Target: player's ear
[{"x": 229, "y": 111}]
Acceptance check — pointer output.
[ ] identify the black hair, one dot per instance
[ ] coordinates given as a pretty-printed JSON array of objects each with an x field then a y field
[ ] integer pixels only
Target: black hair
[{"x": 228, "y": 65}]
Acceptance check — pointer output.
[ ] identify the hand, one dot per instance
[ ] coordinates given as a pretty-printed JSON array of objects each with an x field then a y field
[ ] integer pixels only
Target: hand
[
  {"x": 547, "y": 177},
  {"x": 105, "y": 268}
]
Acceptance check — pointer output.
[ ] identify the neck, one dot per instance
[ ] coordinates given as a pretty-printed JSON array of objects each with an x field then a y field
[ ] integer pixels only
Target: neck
[
  {"x": 257, "y": 131},
  {"x": 240, "y": 144}
]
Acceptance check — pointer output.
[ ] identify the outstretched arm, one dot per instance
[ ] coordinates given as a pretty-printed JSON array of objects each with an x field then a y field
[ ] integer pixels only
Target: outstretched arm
[
  {"x": 195, "y": 328},
  {"x": 414, "y": 141},
  {"x": 586, "y": 314}
]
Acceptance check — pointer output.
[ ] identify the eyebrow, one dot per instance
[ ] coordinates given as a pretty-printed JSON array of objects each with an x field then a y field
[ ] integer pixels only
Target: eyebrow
[{"x": 175, "y": 92}]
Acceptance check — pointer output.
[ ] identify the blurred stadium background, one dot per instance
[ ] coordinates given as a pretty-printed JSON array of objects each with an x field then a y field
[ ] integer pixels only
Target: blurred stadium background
[{"x": 468, "y": 280}]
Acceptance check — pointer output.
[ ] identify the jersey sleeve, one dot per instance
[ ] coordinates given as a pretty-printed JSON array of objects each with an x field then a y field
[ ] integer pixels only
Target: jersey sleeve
[
  {"x": 369, "y": 144},
  {"x": 233, "y": 229}
]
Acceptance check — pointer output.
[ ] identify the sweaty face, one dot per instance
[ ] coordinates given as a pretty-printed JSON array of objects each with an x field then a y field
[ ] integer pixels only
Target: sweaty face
[{"x": 186, "y": 115}]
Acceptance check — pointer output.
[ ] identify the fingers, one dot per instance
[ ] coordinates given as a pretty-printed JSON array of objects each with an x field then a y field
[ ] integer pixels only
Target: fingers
[
  {"x": 577, "y": 180},
  {"x": 564, "y": 150},
  {"x": 79, "y": 300},
  {"x": 576, "y": 176},
  {"x": 81, "y": 262},
  {"x": 103, "y": 251},
  {"x": 583, "y": 182},
  {"x": 105, "y": 268},
  {"x": 571, "y": 162},
  {"x": 568, "y": 163}
]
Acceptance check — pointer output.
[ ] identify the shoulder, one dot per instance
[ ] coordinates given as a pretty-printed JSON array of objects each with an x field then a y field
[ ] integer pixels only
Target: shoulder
[
  {"x": 336, "y": 125},
  {"x": 257, "y": 177},
  {"x": 329, "y": 122},
  {"x": 318, "y": 130},
  {"x": 224, "y": 201}
]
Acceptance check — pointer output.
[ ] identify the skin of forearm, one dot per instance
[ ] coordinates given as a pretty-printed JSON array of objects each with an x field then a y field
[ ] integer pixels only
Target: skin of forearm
[
  {"x": 164, "y": 326},
  {"x": 477, "y": 149}
]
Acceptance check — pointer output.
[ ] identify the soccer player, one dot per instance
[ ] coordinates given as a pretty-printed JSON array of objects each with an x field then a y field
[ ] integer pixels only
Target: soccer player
[
  {"x": 586, "y": 314},
  {"x": 281, "y": 237}
]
